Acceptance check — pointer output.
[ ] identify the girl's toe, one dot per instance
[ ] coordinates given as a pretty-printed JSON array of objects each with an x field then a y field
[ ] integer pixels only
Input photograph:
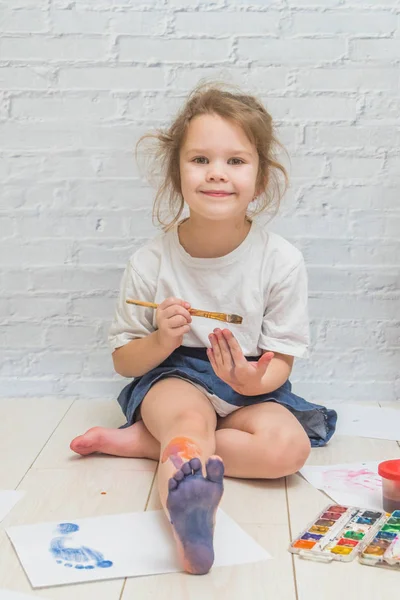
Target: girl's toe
[
  {"x": 179, "y": 476},
  {"x": 172, "y": 484},
  {"x": 186, "y": 468},
  {"x": 215, "y": 469},
  {"x": 195, "y": 463}
]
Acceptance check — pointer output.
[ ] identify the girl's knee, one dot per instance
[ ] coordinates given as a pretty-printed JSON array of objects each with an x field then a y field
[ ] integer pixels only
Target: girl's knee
[
  {"x": 194, "y": 420},
  {"x": 172, "y": 404},
  {"x": 185, "y": 421},
  {"x": 293, "y": 451},
  {"x": 285, "y": 453},
  {"x": 302, "y": 449}
]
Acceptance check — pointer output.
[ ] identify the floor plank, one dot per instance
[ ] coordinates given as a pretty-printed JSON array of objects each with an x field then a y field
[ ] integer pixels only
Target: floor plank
[
  {"x": 83, "y": 415},
  {"x": 336, "y": 579},
  {"x": 259, "y": 507},
  {"x": 25, "y": 426},
  {"x": 62, "y": 494},
  {"x": 346, "y": 449}
]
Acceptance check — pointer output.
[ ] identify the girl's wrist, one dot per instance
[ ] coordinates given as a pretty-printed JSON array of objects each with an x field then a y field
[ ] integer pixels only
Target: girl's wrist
[
  {"x": 248, "y": 390},
  {"x": 164, "y": 344}
]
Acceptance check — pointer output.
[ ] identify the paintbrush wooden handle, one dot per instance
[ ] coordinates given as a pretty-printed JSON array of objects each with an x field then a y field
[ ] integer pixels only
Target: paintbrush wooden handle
[
  {"x": 208, "y": 314},
  {"x": 192, "y": 311},
  {"x": 142, "y": 303}
]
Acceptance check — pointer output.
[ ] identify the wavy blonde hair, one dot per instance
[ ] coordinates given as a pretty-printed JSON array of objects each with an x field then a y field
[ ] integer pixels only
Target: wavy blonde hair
[{"x": 244, "y": 110}]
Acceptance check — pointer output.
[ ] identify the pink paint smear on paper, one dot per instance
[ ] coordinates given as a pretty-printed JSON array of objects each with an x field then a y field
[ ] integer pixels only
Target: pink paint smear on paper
[{"x": 349, "y": 479}]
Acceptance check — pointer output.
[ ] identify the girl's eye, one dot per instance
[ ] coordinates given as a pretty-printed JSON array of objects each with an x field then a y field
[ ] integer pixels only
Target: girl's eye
[{"x": 202, "y": 160}]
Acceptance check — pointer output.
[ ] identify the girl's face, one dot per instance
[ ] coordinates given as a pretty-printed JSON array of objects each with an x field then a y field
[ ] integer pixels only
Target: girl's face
[{"x": 218, "y": 168}]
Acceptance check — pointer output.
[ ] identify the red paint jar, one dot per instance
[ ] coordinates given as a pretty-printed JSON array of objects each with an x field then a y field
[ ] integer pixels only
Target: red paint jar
[{"x": 389, "y": 470}]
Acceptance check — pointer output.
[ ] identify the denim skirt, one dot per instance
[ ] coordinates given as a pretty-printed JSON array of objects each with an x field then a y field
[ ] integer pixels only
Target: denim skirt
[{"x": 192, "y": 364}]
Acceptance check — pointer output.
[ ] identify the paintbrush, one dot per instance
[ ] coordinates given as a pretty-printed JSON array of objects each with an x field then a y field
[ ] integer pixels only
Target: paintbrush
[{"x": 195, "y": 312}]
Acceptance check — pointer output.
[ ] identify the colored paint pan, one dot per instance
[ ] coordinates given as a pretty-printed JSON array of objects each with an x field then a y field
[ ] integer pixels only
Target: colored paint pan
[
  {"x": 384, "y": 549},
  {"x": 339, "y": 537}
]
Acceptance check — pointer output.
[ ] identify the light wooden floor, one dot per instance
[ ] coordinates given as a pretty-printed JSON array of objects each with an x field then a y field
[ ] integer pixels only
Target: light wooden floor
[{"x": 35, "y": 457}]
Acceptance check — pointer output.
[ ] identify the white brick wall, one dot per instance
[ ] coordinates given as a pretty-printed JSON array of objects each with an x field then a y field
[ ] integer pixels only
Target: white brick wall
[{"x": 81, "y": 80}]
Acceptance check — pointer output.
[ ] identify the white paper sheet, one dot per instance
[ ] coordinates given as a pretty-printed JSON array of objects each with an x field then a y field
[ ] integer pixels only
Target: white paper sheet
[
  {"x": 8, "y": 595},
  {"x": 354, "y": 484},
  {"x": 8, "y": 499},
  {"x": 368, "y": 421},
  {"x": 116, "y": 546}
]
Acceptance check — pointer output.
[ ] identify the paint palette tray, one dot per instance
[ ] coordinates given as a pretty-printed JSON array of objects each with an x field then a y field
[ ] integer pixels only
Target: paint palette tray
[
  {"x": 338, "y": 533},
  {"x": 384, "y": 549}
]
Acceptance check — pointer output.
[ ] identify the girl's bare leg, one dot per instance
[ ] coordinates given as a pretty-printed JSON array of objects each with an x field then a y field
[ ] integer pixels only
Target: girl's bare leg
[
  {"x": 262, "y": 441},
  {"x": 190, "y": 476},
  {"x": 259, "y": 441}
]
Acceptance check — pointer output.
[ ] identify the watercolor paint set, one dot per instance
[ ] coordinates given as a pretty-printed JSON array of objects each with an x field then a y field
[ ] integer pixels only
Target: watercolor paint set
[
  {"x": 339, "y": 533},
  {"x": 384, "y": 548}
]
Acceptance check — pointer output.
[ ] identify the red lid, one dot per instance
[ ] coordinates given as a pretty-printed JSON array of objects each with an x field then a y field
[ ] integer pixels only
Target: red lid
[{"x": 390, "y": 469}]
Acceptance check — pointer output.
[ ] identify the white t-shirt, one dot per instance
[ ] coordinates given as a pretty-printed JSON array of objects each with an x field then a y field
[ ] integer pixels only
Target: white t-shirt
[{"x": 264, "y": 280}]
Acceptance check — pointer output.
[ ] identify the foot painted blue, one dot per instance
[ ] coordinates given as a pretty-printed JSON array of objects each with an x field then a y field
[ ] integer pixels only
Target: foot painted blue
[{"x": 192, "y": 503}]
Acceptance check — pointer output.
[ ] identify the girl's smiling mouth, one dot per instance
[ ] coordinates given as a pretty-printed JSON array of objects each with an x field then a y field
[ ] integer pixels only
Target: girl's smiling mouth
[{"x": 216, "y": 193}]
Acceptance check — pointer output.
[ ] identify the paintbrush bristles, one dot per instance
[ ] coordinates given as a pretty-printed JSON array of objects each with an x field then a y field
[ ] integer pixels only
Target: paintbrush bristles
[
  {"x": 234, "y": 319},
  {"x": 195, "y": 312}
]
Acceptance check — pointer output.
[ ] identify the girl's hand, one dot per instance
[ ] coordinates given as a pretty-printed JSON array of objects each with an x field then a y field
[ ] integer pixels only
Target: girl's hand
[
  {"x": 173, "y": 318},
  {"x": 230, "y": 364}
]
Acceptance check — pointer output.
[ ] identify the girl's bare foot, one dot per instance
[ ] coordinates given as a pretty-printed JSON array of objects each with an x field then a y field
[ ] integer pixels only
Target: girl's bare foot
[
  {"x": 132, "y": 442},
  {"x": 192, "y": 504}
]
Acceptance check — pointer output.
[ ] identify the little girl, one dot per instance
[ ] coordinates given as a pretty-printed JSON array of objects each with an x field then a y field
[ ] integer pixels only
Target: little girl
[{"x": 208, "y": 398}]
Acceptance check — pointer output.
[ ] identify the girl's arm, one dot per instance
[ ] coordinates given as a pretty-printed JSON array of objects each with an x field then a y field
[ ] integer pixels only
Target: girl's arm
[
  {"x": 277, "y": 373},
  {"x": 139, "y": 356}
]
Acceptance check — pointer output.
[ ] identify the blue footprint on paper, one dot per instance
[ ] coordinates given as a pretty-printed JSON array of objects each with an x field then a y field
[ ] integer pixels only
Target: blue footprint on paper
[{"x": 81, "y": 557}]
